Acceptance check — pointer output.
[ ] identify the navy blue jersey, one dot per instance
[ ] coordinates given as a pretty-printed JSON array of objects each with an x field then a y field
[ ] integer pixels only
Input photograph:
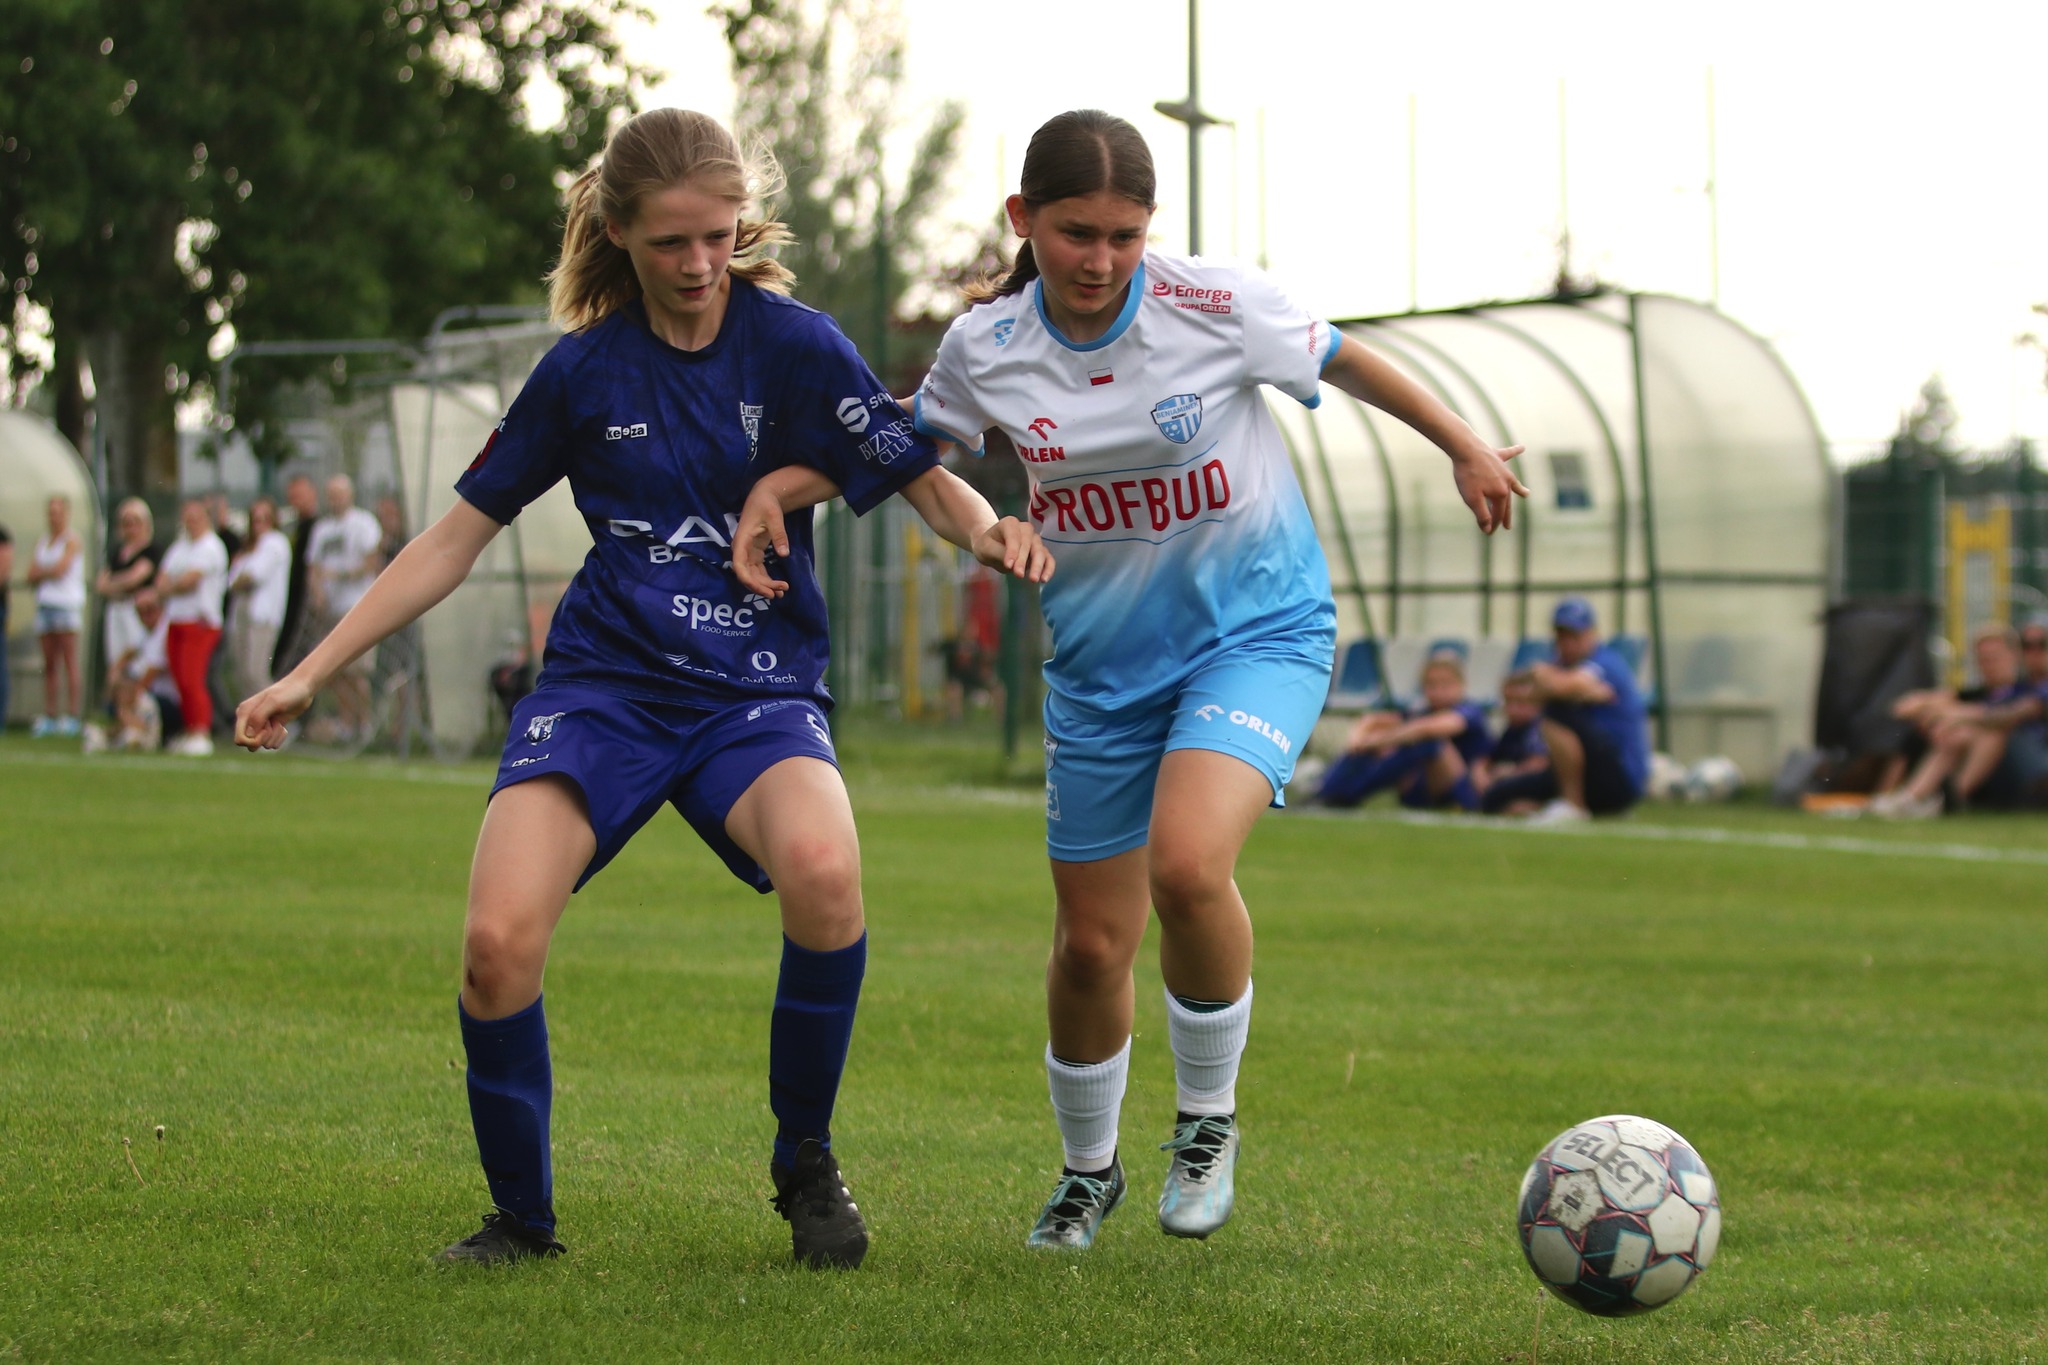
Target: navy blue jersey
[
  {"x": 660, "y": 447},
  {"x": 1624, "y": 719},
  {"x": 1475, "y": 741},
  {"x": 1519, "y": 744}
]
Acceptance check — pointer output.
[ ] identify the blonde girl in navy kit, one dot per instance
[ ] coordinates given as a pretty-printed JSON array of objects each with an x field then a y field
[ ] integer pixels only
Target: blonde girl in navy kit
[{"x": 686, "y": 373}]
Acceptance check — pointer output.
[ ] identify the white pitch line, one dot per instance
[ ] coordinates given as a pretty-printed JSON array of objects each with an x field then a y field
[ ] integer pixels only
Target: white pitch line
[
  {"x": 1737, "y": 838},
  {"x": 479, "y": 777}
]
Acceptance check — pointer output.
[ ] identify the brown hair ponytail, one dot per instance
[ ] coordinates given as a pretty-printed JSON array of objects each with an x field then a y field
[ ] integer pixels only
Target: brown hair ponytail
[
  {"x": 645, "y": 155},
  {"x": 1072, "y": 154}
]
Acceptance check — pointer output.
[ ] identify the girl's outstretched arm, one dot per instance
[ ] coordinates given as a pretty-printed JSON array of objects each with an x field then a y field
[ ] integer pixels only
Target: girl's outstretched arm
[
  {"x": 423, "y": 573},
  {"x": 1484, "y": 480},
  {"x": 952, "y": 508}
]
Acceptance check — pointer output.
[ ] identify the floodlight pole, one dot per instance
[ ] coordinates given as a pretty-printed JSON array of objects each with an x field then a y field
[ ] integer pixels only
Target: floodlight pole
[{"x": 1190, "y": 112}]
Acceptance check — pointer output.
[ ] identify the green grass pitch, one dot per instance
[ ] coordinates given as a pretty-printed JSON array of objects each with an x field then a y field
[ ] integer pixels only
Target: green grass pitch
[{"x": 259, "y": 955}]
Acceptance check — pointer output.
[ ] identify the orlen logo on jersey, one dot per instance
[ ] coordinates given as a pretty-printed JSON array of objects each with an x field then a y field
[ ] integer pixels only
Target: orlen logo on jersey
[
  {"x": 1041, "y": 427},
  {"x": 1192, "y": 297},
  {"x": 626, "y": 433},
  {"x": 1134, "y": 504}
]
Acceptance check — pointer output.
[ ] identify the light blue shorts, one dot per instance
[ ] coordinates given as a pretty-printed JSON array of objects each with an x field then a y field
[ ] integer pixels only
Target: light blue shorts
[
  {"x": 58, "y": 620},
  {"x": 1257, "y": 702}
]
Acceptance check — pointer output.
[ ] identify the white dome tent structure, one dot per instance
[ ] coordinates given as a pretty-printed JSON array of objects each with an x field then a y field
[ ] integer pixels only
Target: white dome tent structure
[
  {"x": 36, "y": 464},
  {"x": 1677, "y": 479}
]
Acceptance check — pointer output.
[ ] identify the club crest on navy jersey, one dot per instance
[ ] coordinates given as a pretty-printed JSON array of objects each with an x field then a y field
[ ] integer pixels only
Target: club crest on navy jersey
[
  {"x": 541, "y": 729},
  {"x": 1179, "y": 417},
  {"x": 750, "y": 420}
]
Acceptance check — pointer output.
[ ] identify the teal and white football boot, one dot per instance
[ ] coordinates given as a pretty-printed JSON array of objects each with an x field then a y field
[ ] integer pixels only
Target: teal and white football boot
[
  {"x": 1078, "y": 1205},
  {"x": 1201, "y": 1183}
]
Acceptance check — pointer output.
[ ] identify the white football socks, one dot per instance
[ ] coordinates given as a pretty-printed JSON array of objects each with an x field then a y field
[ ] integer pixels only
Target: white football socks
[
  {"x": 1207, "y": 1049},
  {"x": 1086, "y": 1100}
]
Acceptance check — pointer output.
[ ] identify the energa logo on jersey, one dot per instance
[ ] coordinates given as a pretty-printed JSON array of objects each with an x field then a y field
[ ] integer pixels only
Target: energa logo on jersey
[{"x": 1179, "y": 417}]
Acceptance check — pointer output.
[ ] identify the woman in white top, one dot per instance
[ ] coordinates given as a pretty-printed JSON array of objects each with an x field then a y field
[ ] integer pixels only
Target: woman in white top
[
  {"x": 192, "y": 579},
  {"x": 257, "y": 581},
  {"x": 56, "y": 570}
]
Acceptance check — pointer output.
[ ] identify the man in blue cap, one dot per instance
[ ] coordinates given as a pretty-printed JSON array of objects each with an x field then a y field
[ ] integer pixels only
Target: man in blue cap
[{"x": 1593, "y": 724}]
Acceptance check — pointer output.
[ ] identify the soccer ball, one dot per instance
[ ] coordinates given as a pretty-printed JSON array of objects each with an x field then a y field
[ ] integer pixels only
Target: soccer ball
[
  {"x": 1618, "y": 1215},
  {"x": 1713, "y": 779},
  {"x": 1667, "y": 778}
]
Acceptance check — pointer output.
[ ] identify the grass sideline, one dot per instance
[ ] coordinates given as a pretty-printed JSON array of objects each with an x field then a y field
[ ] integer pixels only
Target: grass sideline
[{"x": 258, "y": 954}]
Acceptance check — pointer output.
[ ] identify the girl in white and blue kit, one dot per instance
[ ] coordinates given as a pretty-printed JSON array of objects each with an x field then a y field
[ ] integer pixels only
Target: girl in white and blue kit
[{"x": 1191, "y": 617}]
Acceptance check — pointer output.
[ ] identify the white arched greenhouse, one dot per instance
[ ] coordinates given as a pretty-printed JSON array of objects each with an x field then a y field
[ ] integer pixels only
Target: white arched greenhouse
[
  {"x": 37, "y": 464},
  {"x": 1678, "y": 480}
]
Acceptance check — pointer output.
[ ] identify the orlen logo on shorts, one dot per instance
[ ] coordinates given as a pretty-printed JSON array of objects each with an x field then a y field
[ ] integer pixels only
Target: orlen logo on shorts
[
  {"x": 1252, "y": 723},
  {"x": 1191, "y": 297},
  {"x": 1149, "y": 504}
]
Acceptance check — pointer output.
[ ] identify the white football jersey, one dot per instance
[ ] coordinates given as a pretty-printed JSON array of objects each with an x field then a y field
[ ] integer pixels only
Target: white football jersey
[{"x": 1158, "y": 477}]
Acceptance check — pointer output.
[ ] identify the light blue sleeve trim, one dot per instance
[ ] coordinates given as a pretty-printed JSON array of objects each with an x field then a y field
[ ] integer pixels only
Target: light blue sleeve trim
[
  {"x": 1125, "y": 316},
  {"x": 1315, "y": 400},
  {"x": 1336, "y": 340},
  {"x": 939, "y": 433}
]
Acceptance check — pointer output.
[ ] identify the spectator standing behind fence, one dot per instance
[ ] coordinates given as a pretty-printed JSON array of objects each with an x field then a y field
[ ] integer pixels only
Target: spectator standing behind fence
[
  {"x": 1425, "y": 753},
  {"x": 56, "y": 570},
  {"x": 292, "y": 636},
  {"x": 192, "y": 580},
  {"x": 6, "y": 591},
  {"x": 257, "y": 583},
  {"x": 1519, "y": 749},
  {"x": 1594, "y": 725},
  {"x": 341, "y": 564},
  {"x": 1993, "y": 749},
  {"x": 131, "y": 565}
]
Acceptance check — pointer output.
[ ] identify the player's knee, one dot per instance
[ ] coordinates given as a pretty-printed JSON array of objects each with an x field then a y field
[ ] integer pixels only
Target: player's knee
[
  {"x": 1185, "y": 879},
  {"x": 499, "y": 958},
  {"x": 818, "y": 872},
  {"x": 1092, "y": 954}
]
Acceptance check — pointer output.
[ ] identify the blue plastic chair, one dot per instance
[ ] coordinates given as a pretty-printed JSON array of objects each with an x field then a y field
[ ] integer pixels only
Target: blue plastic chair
[
  {"x": 1359, "y": 683},
  {"x": 1631, "y": 649},
  {"x": 1530, "y": 652}
]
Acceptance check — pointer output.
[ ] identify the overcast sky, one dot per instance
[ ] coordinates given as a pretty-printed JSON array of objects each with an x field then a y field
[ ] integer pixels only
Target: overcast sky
[{"x": 1883, "y": 187}]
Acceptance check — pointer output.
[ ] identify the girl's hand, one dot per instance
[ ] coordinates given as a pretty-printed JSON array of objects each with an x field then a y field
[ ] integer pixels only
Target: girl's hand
[
  {"x": 1013, "y": 546},
  {"x": 260, "y": 722},
  {"x": 760, "y": 529},
  {"x": 1487, "y": 485}
]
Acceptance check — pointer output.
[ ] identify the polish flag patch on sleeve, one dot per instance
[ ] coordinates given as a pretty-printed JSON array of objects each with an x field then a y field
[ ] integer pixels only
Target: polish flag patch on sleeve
[{"x": 1097, "y": 378}]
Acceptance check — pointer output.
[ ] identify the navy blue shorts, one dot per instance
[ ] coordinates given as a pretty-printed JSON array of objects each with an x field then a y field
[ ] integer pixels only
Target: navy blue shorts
[
  {"x": 1609, "y": 787},
  {"x": 629, "y": 756}
]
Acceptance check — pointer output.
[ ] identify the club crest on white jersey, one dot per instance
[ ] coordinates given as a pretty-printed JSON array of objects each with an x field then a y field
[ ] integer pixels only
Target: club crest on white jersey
[{"x": 1179, "y": 417}]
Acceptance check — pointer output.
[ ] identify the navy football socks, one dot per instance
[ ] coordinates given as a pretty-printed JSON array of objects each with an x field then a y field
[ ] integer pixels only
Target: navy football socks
[
  {"x": 511, "y": 1092},
  {"x": 812, "y": 1026}
]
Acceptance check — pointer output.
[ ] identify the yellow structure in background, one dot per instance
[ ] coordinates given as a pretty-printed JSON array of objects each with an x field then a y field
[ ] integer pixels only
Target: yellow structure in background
[
  {"x": 1979, "y": 575},
  {"x": 912, "y": 688}
]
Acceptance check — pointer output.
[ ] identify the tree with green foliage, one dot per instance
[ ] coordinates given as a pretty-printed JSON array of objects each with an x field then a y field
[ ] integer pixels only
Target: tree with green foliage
[
  {"x": 173, "y": 175},
  {"x": 821, "y": 83}
]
